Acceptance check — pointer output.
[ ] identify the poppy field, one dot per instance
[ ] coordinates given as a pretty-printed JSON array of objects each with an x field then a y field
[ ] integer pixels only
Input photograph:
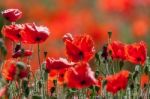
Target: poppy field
[{"x": 44, "y": 55}]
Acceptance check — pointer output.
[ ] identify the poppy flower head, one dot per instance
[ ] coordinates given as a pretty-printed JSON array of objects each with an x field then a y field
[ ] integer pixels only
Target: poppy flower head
[
  {"x": 57, "y": 64},
  {"x": 144, "y": 80},
  {"x": 13, "y": 32},
  {"x": 12, "y": 15},
  {"x": 137, "y": 53},
  {"x": 118, "y": 50},
  {"x": 22, "y": 53},
  {"x": 13, "y": 70},
  {"x": 80, "y": 76},
  {"x": 117, "y": 81},
  {"x": 80, "y": 48},
  {"x": 9, "y": 69},
  {"x": 34, "y": 34}
]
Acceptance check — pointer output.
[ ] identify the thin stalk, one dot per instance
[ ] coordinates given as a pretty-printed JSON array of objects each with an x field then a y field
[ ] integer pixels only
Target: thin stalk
[{"x": 38, "y": 47}]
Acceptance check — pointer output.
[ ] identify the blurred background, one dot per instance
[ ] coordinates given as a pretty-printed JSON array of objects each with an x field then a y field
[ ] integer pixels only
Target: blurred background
[{"x": 128, "y": 20}]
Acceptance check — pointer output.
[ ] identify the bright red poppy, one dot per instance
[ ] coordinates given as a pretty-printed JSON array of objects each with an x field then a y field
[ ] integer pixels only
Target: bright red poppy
[
  {"x": 117, "y": 81},
  {"x": 34, "y": 34},
  {"x": 57, "y": 64},
  {"x": 22, "y": 53},
  {"x": 80, "y": 48},
  {"x": 12, "y": 15},
  {"x": 137, "y": 53},
  {"x": 117, "y": 50},
  {"x": 13, "y": 32},
  {"x": 80, "y": 76}
]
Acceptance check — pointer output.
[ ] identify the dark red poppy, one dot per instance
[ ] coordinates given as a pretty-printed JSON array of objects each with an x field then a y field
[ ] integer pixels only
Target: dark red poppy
[
  {"x": 22, "y": 53},
  {"x": 80, "y": 48},
  {"x": 12, "y": 32},
  {"x": 57, "y": 64},
  {"x": 80, "y": 76},
  {"x": 117, "y": 50},
  {"x": 137, "y": 53},
  {"x": 12, "y": 15},
  {"x": 34, "y": 34},
  {"x": 117, "y": 81},
  {"x": 23, "y": 73}
]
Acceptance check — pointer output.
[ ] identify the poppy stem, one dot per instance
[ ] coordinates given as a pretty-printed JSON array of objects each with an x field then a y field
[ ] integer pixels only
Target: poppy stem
[{"x": 39, "y": 59}]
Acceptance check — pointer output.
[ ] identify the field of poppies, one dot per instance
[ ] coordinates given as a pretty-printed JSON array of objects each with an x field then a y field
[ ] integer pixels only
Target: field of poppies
[{"x": 44, "y": 56}]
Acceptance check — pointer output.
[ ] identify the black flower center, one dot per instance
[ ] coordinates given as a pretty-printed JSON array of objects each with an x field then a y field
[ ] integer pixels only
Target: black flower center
[
  {"x": 138, "y": 59},
  {"x": 81, "y": 54},
  {"x": 18, "y": 35},
  {"x": 38, "y": 39},
  {"x": 83, "y": 82}
]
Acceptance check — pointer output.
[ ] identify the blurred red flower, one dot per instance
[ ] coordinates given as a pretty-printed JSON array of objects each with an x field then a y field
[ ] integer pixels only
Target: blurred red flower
[
  {"x": 140, "y": 27},
  {"x": 137, "y": 53},
  {"x": 80, "y": 76},
  {"x": 57, "y": 64},
  {"x": 123, "y": 6},
  {"x": 22, "y": 53},
  {"x": 117, "y": 81},
  {"x": 34, "y": 34},
  {"x": 144, "y": 80},
  {"x": 80, "y": 48},
  {"x": 12, "y": 15},
  {"x": 13, "y": 32},
  {"x": 117, "y": 50},
  {"x": 11, "y": 71}
]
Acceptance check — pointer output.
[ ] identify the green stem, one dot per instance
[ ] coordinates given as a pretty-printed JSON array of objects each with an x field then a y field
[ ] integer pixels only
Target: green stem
[{"x": 39, "y": 59}]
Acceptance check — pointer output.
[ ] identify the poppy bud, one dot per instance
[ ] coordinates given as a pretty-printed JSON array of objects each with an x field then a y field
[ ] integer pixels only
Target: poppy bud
[{"x": 20, "y": 65}]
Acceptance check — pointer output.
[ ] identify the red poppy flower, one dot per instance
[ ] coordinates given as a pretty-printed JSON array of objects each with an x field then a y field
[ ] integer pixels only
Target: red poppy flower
[
  {"x": 117, "y": 81},
  {"x": 144, "y": 80},
  {"x": 9, "y": 70},
  {"x": 80, "y": 48},
  {"x": 34, "y": 34},
  {"x": 118, "y": 50},
  {"x": 22, "y": 53},
  {"x": 61, "y": 63},
  {"x": 12, "y": 32},
  {"x": 80, "y": 76},
  {"x": 137, "y": 53},
  {"x": 12, "y": 15}
]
